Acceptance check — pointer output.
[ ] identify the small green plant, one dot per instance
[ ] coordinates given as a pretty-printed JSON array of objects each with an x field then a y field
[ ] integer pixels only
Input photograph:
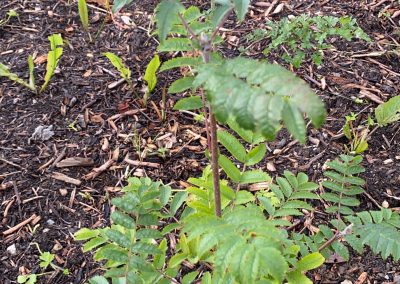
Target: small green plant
[
  {"x": 150, "y": 76},
  {"x": 344, "y": 184},
  {"x": 84, "y": 16},
  {"x": 386, "y": 113},
  {"x": 46, "y": 260},
  {"x": 5, "y": 72},
  {"x": 304, "y": 35},
  {"x": 134, "y": 246},
  {"x": 358, "y": 137},
  {"x": 124, "y": 70},
  {"x": 10, "y": 14},
  {"x": 53, "y": 57}
]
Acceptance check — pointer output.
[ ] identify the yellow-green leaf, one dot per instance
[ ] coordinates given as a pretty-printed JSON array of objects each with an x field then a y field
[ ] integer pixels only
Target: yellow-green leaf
[{"x": 150, "y": 74}]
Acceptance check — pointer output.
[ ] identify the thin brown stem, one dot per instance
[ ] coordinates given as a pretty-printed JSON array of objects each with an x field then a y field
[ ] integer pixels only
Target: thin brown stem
[
  {"x": 188, "y": 28},
  {"x": 214, "y": 164},
  {"x": 211, "y": 128},
  {"x": 203, "y": 99},
  {"x": 338, "y": 235}
]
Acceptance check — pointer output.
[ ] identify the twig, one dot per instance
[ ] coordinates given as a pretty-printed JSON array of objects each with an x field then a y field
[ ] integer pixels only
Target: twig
[
  {"x": 12, "y": 164},
  {"x": 20, "y": 225},
  {"x": 65, "y": 178},
  {"x": 338, "y": 235},
  {"x": 139, "y": 163},
  {"x": 18, "y": 197}
]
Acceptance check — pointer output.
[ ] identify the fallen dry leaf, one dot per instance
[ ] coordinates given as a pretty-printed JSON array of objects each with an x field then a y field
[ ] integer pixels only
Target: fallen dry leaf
[
  {"x": 75, "y": 162},
  {"x": 40, "y": 59}
]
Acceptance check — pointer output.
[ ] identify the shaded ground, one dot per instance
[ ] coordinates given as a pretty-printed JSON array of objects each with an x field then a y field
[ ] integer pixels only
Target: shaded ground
[{"x": 92, "y": 121}]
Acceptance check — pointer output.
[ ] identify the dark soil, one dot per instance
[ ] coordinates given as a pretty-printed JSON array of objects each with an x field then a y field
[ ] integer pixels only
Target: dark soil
[{"x": 82, "y": 110}]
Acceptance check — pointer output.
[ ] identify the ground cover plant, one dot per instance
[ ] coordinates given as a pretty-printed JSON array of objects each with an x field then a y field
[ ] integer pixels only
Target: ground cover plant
[
  {"x": 304, "y": 34},
  {"x": 138, "y": 165}
]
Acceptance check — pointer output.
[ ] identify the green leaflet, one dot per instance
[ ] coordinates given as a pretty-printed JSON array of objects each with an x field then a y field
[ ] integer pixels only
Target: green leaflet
[
  {"x": 237, "y": 254},
  {"x": 116, "y": 61},
  {"x": 189, "y": 103},
  {"x": 98, "y": 280},
  {"x": 175, "y": 44},
  {"x": 166, "y": 13},
  {"x": 5, "y": 72},
  {"x": 219, "y": 13},
  {"x": 180, "y": 62},
  {"x": 31, "y": 74},
  {"x": 85, "y": 233},
  {"x": 83, "y": 14},
  {"x": 311, "y": 261},
  {"x": 247, "y": 135},
  {"x": 296, "y": 277},
  {"x": 241, "y": 8},
  {"x": 56, "y": 50},
  {"x": 150, "y": 74},
  {"x": 253, "y": 93},
  {"x": 294, "y": 122},
  {"x": 388, "y": 112},
  {"x": 232, "y": 145},
  {"x": 181, "y": 85},
  {"x": 256, "y": 154},
  {"x": 119, "y": 4},
  {"x": 229, "y": 168}
]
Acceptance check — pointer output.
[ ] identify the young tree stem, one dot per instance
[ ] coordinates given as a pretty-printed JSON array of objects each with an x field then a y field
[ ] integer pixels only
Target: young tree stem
[{"x": 214, "y": 163}]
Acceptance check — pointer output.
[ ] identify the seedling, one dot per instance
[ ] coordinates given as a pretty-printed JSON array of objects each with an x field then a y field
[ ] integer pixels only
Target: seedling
[
  {"x": 150, "y": 77},
  {"x": 385, "y": 114},
  {"x": 84, "y": 16},
  {"x": 46, "y": 260},
  {"x": 10, "y": 14},
  {"x": 358, "y": 137},
  {"x": 116, "y": 61},
  {"x": 56, "y": 43}
]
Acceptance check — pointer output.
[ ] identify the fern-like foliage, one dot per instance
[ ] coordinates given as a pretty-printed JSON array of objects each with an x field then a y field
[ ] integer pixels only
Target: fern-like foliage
[
  {"x": 388, "y": 112},
  {"x": 379, "y": 230},
  {"x": 312, "y": 242},
  {"x": 287, "y": 197},
  {"x": 133, "y": 247},
  {"x": 247, "y": 248},
  {"x": 343, "y": 184},
  {"x": 259, "y": 96}
]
